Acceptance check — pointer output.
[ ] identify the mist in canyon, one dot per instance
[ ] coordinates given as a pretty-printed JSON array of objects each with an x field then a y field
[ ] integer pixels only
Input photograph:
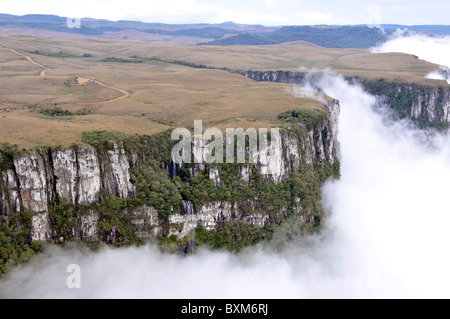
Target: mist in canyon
[{"x": 386, "y": 235}]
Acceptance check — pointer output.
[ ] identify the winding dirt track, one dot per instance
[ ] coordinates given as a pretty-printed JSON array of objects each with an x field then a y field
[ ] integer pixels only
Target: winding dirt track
[
  {"x": 125, "y": 94},
  {"x": 43, "y": 73}
]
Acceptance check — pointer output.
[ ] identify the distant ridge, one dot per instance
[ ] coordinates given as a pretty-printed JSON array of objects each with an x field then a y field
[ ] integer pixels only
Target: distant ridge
[
  {"x": 336, "y": 37},
  {"x": 226, "y": 33}
]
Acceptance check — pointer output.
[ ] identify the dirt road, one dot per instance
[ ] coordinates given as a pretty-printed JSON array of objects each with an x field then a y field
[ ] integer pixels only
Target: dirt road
[
  {"x": 125, "y": 94},
  {"x": 43, "y": 72},
  {"x": 81, "y": 81}
]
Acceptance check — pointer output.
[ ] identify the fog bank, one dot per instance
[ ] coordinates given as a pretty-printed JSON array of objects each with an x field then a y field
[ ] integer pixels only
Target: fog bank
[{"x": 431, "y": 49}]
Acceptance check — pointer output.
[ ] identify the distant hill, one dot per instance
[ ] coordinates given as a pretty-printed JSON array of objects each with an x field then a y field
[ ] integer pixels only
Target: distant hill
[
  {"x": 226, "y": 33},
  {"x": 96, "y": 27},
  {"x": 339, "y": 37}
]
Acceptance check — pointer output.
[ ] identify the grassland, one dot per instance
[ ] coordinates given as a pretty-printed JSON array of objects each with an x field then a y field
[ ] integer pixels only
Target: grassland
[
  {"x": 154, "y": 94},
  {"x": 142, "y": 98},
  {"x": 289, "y": 56}
]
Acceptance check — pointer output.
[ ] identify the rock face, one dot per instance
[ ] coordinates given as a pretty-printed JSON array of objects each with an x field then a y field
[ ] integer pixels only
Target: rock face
[
  {"x": 432, "y": 104},
  {"x": 245, "y": 173},
  {"x": 213, "y": 215},
  {"x": 275, "y": 76},
  {"x": 88, "y": 227},
  {"x": 214, "y": 176},
  {"x": 66, "y": 174},
  {"x": 116, "y": 176},
  {"x": 9, "y": 195},
  {"x": 89, "y": 176},
  {"x": 78, "y": 176},
  {"x": 423, "y": 104},
  {"x": 40, "y": 227},
  {"x": 146, "y": 222},
  {"x": 32, "y": 172},
  {"x": 210, "y": 216}
]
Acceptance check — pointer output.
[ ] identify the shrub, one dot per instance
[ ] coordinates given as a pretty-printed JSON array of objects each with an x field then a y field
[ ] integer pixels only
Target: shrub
[
  {"x": 309, "y": 118},
  {"x": 54, "y": 112}
]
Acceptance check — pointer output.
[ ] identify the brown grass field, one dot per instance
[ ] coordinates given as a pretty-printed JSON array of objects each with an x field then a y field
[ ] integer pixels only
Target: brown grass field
[{"x": 152, "y": 96}]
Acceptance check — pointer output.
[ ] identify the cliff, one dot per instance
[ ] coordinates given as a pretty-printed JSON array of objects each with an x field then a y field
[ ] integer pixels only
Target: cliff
[
  {"x": 122, "y": 190},
  {"x": 427, "y": 106}
]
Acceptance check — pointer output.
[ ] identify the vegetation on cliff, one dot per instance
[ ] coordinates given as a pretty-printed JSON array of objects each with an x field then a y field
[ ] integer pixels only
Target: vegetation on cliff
[
  {"x": 402, "y": 97},
  {"x": 150, "y": 173}
]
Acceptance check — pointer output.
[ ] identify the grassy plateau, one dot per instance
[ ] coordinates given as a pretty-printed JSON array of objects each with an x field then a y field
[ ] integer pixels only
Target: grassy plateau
[{"x": 53, "y": 89}]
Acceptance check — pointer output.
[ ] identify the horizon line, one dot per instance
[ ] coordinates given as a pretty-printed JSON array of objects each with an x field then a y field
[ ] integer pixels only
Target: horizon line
[{"x": 220, "y": 23}]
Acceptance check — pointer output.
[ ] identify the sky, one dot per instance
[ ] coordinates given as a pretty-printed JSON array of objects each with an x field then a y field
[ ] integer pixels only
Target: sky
[{"x": 265, "y": 12}]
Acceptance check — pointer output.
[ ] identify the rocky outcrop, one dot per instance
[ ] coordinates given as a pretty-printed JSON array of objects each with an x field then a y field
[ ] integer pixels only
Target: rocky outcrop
[
  {"x": 77, "y": 175},
  {"x": 32, "y": 172},
  {"x": 245, "y": 173},
  {"x": 40, "y": 227},
  {"x": 66, "y": 174},
  {"x": 214, "y": 175},
  {"x": 146, "y": 222},
  {"x": 290, "y": 151},
  {"x": 74, "y": 175},
  {"x": 39, "y": 178},
  {"x": 89, "y": 181},
  {"x": 9, "y": 194},
  {"x": 116, "y": 176},
  {"x": 275, "y": 76},
  {"x": 87, "y": 227},
  {"x": 211, "y": 216}
]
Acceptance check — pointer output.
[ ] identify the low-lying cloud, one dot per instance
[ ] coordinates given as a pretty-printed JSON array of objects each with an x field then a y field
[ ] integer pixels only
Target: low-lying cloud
[
  {"x": 431, "y": 49},
  {"x": 442, "y": 74}
]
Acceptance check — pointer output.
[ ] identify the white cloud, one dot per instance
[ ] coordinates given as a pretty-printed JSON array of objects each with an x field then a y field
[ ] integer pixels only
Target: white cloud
[
  {"x": 432, "y": 49},
  {"x": 435, "y": 50},
  {"x": 439, "y": 75}
]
